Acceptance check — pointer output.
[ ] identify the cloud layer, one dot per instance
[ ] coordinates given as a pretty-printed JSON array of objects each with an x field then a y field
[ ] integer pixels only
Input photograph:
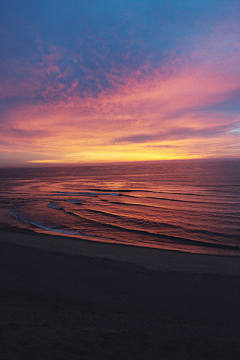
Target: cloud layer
[{"x": 119, "y": 81}]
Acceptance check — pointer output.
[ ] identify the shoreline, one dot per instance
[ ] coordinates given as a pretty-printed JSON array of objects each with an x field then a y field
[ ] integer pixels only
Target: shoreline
[
  {"x": 69, "y": 299},
  {"x": 146, "y": 257}
]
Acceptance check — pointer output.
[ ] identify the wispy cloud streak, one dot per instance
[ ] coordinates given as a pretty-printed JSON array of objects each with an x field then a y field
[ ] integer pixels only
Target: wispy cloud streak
[{"x": 138, "y": 82}]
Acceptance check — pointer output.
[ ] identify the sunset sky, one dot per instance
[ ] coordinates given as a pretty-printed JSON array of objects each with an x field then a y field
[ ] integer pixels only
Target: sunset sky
[{"x": 124, "y": 80}]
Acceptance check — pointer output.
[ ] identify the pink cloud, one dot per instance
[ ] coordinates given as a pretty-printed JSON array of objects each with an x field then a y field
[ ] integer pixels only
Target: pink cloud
[{"x": 175, "y": 101}]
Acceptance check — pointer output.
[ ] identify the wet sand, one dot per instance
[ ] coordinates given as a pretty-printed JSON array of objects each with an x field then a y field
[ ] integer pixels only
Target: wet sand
[{"x": 68, "y": 299}]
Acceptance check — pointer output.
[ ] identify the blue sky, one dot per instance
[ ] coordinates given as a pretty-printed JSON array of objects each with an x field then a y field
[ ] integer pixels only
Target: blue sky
[{"x": 76, "y": 65}]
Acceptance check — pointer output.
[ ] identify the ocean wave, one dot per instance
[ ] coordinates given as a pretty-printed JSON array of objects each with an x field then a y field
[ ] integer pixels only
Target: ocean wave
[
  {"x": 53, "y": 205},
  {"x": 233, "y": 215},
  {"x": 169, "y": 192},
  {"x": 85, "y": 193},
  {"x": 140, "y": 194},
  {"x": 175, "y": 240},
  {"x": 20, "y": 217},
  {"x": 65, "y": 231},
  {"x": 75, "y": 202},
  {"x": 111, "y": 191},
  {"x": 161, "y": 237},
  {"x": 152, "y": 237},
  {"x": 135, "y": 223},
  {"x": 68, "y": 193},
  {"x": 215, "y": 233},
  {"x": 215, "y": 203},
  {"x": 119, "y": 218}
]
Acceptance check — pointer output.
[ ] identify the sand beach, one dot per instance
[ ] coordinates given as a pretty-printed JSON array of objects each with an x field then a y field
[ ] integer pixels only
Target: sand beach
[
  {"x": 63, "y": 298},
  {"x": 120, "y": 180}
]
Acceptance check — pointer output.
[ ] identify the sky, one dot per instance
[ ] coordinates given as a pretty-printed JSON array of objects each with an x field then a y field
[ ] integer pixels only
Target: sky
[{"x": 88, "y": 81}]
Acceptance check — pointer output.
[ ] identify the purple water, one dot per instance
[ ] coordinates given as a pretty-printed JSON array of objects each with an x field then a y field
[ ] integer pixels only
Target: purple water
[{"x": 189, "y": 206}]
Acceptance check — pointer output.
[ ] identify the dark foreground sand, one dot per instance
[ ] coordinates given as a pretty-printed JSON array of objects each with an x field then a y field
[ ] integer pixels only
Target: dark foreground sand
[{"x": 68, "y": 299}]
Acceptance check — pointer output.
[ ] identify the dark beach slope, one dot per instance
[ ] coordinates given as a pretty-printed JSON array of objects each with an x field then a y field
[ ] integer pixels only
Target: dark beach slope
[{"x": 68, "y": 299}]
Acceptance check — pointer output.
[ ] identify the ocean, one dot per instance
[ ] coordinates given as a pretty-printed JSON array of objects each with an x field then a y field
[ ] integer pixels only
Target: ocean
[{"x": 189, "y": 205}]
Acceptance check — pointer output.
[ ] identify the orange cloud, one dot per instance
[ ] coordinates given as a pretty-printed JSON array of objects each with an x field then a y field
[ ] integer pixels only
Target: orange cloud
[{"x": 158, "y": 116}]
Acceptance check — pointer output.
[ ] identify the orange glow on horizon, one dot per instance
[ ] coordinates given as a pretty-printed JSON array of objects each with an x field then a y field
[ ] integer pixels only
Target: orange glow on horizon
[{"x": 158, "y": 117}]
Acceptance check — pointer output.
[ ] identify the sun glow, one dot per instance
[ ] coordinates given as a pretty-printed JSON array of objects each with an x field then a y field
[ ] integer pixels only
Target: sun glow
[{"x": 180, "y": 112}]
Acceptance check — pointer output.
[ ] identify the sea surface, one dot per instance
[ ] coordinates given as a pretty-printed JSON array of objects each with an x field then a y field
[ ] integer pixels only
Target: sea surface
[{"x": 191, "y": 206}]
